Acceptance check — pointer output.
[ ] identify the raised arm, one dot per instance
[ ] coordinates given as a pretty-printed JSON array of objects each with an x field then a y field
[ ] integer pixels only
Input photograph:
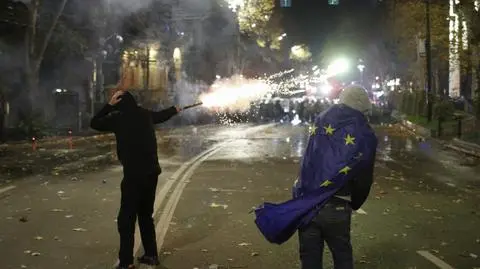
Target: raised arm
[{"x": 107, "y": 118}]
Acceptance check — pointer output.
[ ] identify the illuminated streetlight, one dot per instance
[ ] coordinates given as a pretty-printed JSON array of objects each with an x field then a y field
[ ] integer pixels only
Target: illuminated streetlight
[{"x": 361, "y": 67}]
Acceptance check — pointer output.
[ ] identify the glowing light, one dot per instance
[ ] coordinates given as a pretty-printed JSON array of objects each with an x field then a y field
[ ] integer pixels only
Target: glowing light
[
  {"x": 326, "y": 88},
  {"x": 393, "y": 82},
  {"x": 235, "y": 5},
  {"x": 153, "y": 53},
  {"x": 177, "y": 54},
  {"x": 338, "y": 67},
  {"x": 300, "y": 53},
  {"x": 234, "y": 94},
  {"x": 296, "y": 120}
]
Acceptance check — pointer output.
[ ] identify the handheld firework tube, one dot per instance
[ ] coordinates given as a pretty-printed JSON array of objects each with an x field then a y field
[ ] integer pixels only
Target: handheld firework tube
[{"x": 191, "y": 106}]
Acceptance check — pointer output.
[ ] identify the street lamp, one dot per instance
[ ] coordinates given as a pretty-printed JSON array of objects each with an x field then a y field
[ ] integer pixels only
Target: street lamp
[
  {"x": 98, "y": 65},
  {"x": 361, "y": 67},
  {"x": 428, "y": 49}
]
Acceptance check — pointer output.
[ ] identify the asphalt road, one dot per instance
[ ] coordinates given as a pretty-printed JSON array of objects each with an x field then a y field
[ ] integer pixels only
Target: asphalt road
[{"x": 423, "y": 211}]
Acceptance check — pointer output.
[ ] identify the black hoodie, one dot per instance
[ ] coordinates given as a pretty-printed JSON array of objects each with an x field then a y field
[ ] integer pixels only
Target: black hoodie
[{"x": 134, "y": 131}]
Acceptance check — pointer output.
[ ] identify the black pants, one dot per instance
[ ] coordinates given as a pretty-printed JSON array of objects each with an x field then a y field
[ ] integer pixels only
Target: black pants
[
  {"x": 331, "y": 225},
  {"x": 138, "y": 198}
]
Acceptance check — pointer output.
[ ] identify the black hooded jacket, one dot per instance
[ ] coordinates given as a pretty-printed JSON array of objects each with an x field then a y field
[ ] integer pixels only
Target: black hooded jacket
[{"x": 134, "y": 129}]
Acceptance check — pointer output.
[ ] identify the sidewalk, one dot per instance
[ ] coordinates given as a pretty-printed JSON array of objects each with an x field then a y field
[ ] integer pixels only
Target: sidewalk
[
  {"x": 471, "y": 149},
  {"x": 54, "y": 156}
]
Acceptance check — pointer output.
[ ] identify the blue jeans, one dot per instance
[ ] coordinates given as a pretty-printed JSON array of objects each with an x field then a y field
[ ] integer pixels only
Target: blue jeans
[{"x": 331, "y": 225}]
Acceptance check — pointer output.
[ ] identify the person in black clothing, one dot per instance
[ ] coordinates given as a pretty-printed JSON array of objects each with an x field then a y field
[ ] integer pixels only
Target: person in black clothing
[{"x": 134, "y": 131}]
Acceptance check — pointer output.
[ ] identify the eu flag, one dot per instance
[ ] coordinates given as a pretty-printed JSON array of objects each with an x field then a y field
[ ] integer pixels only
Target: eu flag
[{"x": 341, "y": 145}]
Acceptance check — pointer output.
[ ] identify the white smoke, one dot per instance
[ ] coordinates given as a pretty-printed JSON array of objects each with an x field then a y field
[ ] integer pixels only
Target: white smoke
[{"x": 128, "y": 6}]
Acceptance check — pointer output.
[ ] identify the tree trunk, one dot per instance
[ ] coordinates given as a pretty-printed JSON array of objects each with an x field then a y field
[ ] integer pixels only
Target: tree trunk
[
  {"x": 476, "y": 77},
  {"x": 34, "y": 54},
  {"x": 3, "y": 112},
  {"x": 33, "y": 91}
]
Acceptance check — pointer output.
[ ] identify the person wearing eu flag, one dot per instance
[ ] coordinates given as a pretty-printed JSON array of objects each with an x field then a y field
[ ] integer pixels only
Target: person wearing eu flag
[{"x": 335, "y": 178}]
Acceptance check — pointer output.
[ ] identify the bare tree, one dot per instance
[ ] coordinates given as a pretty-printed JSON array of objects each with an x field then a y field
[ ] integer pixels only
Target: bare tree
[{"x": 36, "y": 45}]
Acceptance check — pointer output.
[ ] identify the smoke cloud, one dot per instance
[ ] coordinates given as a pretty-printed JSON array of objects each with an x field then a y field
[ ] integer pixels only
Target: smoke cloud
[{"x": 128, "y": 6}]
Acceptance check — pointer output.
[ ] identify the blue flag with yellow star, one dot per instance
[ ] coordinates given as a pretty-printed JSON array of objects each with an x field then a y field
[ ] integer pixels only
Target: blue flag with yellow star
[{"x": 341, "y": 145}]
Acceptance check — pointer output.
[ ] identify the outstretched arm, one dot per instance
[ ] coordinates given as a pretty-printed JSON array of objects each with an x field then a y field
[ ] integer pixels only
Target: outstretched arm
[{"x": 164, "y": 115}]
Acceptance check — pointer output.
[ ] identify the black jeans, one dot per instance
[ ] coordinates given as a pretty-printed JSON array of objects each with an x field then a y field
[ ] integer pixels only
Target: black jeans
[
  {"x": 138, "y": 198},
  {"x": 331, "y": 225}
]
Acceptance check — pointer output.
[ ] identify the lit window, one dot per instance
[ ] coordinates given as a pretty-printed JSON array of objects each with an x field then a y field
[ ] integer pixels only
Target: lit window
[{"x": 333, "y": 2}]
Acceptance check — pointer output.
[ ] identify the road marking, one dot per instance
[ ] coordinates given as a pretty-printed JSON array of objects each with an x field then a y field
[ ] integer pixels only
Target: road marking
[
  {"x": 162, "y": 194},
  {"x": 167, "y": 213},
  {"x": 434, "y": 259},
  {"x": 361, "y": 211},
  {"x": 9, "y": 188}
]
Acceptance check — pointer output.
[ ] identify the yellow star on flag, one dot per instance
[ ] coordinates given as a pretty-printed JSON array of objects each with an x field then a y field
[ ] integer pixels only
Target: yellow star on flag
[
  {"x": 312, "y": 129},
  {"x": 329, "y": 129},
  {"x": 349, "y": 140},
  {"x": 326, "y": 183},
  {"x": 345, "y": 170}
]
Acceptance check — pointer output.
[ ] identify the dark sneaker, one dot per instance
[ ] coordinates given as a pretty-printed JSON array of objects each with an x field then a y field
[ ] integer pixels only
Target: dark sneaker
[{"x": 149, "y": 260}]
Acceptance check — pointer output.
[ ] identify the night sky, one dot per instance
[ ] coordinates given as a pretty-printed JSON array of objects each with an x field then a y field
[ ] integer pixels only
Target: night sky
[{"x": 313, "y": 21}]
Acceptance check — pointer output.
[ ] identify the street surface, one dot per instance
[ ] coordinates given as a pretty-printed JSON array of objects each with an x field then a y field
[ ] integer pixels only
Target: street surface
[{"x": 423, "y": 211}]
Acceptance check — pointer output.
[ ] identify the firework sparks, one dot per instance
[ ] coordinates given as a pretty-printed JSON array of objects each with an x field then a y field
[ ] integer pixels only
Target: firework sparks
[{"x": 234, "y": 94}]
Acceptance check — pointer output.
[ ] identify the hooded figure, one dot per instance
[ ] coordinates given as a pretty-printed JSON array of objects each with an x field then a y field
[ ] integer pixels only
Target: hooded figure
[
  {"x": 335, "y": 178},
  {"x": 134, "y": 129}
]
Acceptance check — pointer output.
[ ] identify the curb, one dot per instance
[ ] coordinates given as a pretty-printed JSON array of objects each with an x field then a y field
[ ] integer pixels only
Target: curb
[
  {"x": 464, "y": 150},
  {"x": 456, "y": 144}
]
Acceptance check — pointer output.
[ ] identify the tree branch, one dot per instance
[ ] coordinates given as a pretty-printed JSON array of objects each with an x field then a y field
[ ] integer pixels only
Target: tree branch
[{"x": 39, "y": 57}]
